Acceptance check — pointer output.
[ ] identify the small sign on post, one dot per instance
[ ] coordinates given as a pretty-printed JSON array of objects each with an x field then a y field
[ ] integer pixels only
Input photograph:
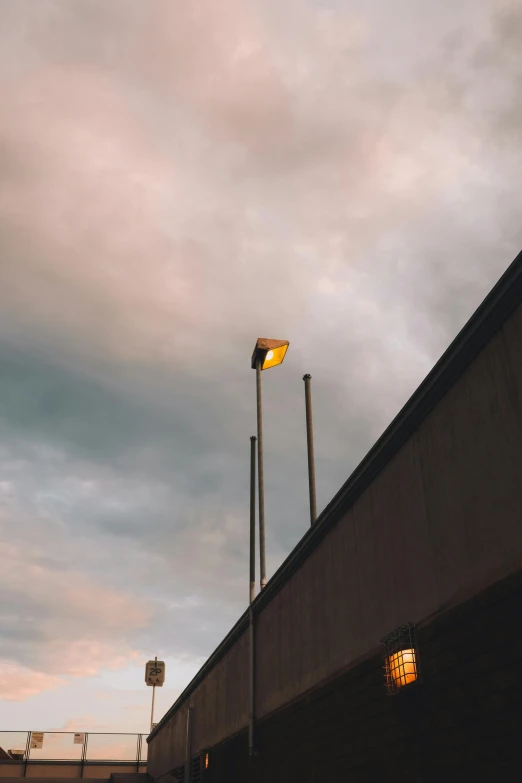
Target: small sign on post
[
  {"x": 79, "y": 738},
  {"x": 37, "y": 738},
  {"x": 155, "y": 673}
]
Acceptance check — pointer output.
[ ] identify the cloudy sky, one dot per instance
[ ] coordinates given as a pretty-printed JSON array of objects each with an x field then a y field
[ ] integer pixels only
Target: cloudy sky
[{"x": 177, "y": 179}]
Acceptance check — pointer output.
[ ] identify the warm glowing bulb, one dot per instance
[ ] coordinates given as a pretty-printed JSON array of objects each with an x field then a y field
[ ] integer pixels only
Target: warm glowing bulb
[
  {"x": 403, "y": 667},
  {"x": 274, "y": 356}
]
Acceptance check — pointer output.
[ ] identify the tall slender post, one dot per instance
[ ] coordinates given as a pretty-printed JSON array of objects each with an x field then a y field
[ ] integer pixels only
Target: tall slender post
[
  {"x": 153, "y": 695},
  {"x": 138, "y": 754},
  {"x": 252, "y": 683},
  {"x": 84, "y": 751},
  {"x": 310, "y": 442},
  {"x": 27, "y": 751},
  {"x": 260, "y": 476},
  {"x": 85, "y": 747},
  {"x": 188, "y": 747},
  {"x": 252, "y": 517}
]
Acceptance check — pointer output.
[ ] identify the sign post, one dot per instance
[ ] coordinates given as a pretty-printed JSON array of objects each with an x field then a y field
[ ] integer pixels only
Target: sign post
[{"x": 154, "y": 675}]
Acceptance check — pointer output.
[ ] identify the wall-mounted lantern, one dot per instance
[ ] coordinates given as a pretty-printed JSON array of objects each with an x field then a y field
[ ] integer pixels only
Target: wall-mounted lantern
[{"x": 401, "y": 658}]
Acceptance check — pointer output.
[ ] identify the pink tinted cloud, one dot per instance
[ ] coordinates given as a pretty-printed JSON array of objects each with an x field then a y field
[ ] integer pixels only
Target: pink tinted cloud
[
  {"x": 80, "y": 626},
  {"x": 75, "y": 596},
  {"x": 18, "y": 683},
  {"x": 86, "y": 656},
  {"x": 83, "y": 722}
]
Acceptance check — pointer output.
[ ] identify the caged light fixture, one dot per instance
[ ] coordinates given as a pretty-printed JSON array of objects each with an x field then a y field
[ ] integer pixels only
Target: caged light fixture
[{"x": 401, "y": 658}]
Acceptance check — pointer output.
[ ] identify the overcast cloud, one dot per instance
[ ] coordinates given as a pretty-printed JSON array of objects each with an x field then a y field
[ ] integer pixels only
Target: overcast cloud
[{"x": 177, "y": 179}]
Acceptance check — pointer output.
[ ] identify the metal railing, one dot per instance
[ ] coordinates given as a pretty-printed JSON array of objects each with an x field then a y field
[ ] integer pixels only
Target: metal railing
[{"x": 81, "y": 748}]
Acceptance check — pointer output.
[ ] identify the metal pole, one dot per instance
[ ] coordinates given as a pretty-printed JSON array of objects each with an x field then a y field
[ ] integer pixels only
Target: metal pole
[
  {"x": 310, "y": 442},
  {"x": 152, "y": 711},
  {"x": 252, "y": 685},
  {"x": 188, "y": 747},
  {"x": 260, "y": 477},
  {"x": 252, "y": 517},
  {"x": 85, "y": 749},
  {"x": 27, "y": 751},
  {"x": 251, "y": 716},
  {"x": 84, "y": 745},
  {"x": 138, "y": 754},
  {"x": 153, "y": 695}
]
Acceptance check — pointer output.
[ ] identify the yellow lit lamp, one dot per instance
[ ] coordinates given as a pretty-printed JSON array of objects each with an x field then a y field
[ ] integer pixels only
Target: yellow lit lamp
[
  {"x": 269, "y": 352},
  {"x": 402, "y": 667}
]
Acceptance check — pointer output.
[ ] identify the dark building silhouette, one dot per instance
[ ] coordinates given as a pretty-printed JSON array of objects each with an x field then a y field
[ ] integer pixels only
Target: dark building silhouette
[{"x": 428, "y": 531}]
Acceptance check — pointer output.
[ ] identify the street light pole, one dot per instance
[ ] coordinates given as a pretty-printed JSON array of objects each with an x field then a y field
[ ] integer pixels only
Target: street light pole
[
  {"x": 252, "y": 517},
  {"x": 251, "y": 632},
  {"x": 260, "y": 476},
  {"x": 267, "y": 353},
  {"x": 153, "y": 695},
  {"x": 310, "y": 443}
]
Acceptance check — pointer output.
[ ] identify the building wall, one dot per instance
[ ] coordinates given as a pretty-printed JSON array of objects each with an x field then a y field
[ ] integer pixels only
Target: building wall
[
  {"x": 462, "y": 723},
  {"x": 219, "y": 709},
  {"x": 53, "y": 770},
  {"x": 439, "y": 522}
]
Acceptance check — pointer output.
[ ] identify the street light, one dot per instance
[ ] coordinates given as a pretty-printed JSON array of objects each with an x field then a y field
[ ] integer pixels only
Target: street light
[{"x": 267, "y": 353}]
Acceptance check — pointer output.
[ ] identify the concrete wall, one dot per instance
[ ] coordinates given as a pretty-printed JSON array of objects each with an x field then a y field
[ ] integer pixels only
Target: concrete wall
[
  {"x": 438, "y": 523},
  {"x": 462, "y": 723},
  {"x": 52, "y": 770},
  {"x": 220, "y": 709}
]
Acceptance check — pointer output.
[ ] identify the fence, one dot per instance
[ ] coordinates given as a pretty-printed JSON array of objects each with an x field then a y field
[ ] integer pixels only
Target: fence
[{"x": 73, "y": 747}]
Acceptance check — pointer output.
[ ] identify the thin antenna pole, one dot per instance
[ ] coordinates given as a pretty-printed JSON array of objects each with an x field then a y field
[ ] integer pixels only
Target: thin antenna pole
[
  {"x": 252, "y": 517},
  {"x": 310, "y": 443}
]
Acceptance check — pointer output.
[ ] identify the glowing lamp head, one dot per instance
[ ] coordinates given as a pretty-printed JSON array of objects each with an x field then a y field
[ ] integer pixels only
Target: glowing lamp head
[
  {"x": 402, "y": 667},
  {"x": 269, "y": 352}
]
